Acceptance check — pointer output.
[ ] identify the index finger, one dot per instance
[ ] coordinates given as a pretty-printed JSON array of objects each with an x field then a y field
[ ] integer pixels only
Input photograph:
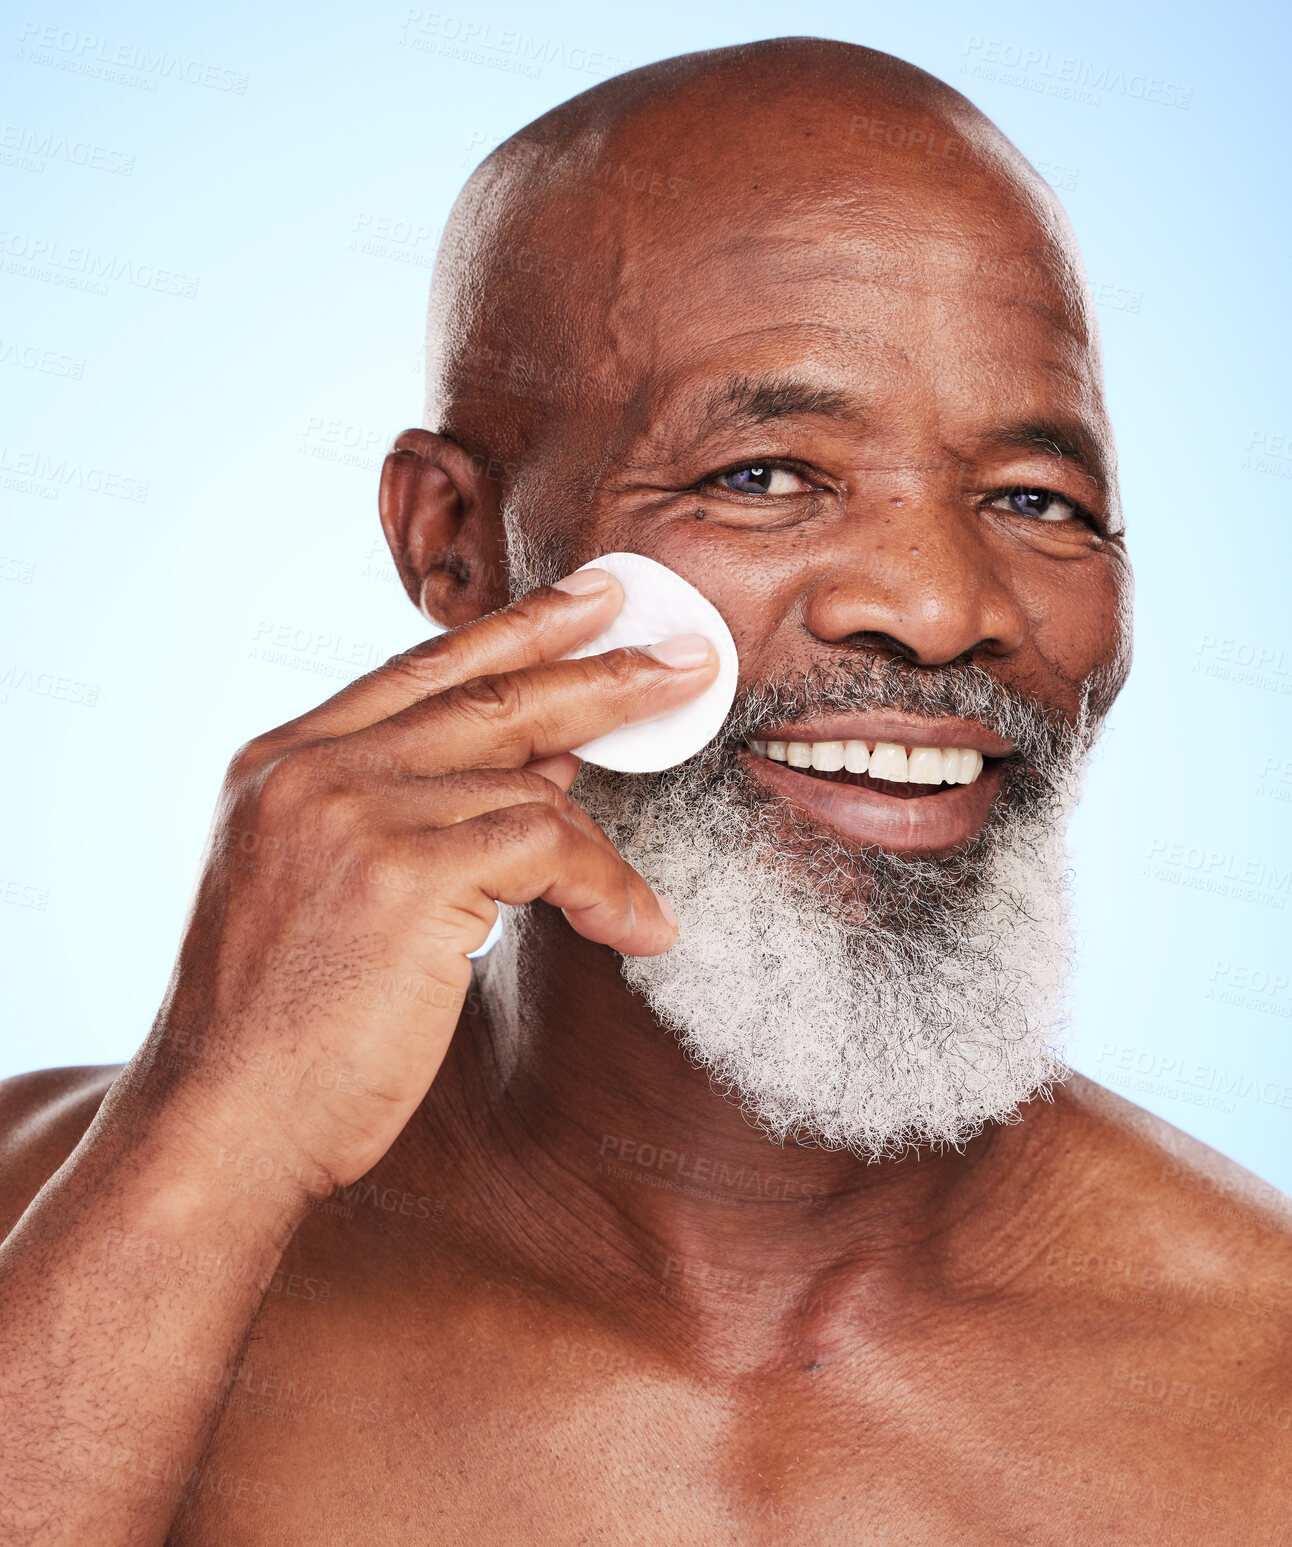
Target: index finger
[{"x": 543, "y": 626}]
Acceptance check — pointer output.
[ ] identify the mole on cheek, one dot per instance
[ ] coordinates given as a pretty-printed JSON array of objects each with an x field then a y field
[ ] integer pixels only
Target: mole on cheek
[{"x": 699, "y": 515}]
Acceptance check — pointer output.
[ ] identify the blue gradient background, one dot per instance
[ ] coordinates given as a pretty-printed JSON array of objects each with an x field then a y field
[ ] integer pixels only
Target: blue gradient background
[{"x": 301, "y": 174}]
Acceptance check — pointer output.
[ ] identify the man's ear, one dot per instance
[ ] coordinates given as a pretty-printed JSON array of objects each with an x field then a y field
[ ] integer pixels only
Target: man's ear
[{"x": 440, "y": 515}]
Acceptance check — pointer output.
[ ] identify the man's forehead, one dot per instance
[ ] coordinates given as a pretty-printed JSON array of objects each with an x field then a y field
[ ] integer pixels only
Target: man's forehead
[
  {"x": 874, "y": 279},
  {"x": 855, "y": 233},
  {"x": 833, "y": 339},
  {"x": 747, "y": 225},
  {"x": 868, "y": 276}
]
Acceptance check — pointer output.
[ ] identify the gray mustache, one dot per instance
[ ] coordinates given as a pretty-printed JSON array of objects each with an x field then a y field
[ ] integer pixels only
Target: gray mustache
[{"x": 1042, "y": 734}]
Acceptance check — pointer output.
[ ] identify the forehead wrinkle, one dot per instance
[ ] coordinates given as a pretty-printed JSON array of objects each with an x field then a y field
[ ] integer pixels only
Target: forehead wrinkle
[{"x": 832, "y": 268}]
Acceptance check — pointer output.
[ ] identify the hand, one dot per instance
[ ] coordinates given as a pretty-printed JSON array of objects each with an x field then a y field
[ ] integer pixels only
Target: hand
[{"x": 358, "y": 855}]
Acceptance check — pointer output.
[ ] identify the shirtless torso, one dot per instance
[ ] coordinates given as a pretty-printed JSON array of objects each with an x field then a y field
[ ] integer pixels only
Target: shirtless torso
[
  {"x": 341, "y": 1259},
  {"x": 1118, "y": 1372}
]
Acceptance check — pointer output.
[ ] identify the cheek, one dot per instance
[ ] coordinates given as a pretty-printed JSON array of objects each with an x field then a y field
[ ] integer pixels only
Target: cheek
[
  {"x": 1079, "y": 616},
  {"x": 755, "y": 581}
]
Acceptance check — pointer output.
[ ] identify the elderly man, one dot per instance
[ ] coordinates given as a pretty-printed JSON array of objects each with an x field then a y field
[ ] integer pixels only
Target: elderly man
[{"x": 358, "y": 1248}]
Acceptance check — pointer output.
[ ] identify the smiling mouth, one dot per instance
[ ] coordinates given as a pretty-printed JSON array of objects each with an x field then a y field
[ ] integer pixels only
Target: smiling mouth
[{"x": 887, "y": 767}]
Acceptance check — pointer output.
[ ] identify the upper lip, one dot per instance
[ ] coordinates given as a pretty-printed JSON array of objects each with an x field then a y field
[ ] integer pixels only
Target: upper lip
[{"x": 903, "y": 730}]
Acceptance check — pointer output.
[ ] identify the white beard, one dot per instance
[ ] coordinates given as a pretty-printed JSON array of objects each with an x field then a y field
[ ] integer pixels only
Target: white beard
[
  {"x": 829, "y": 1024},
  {"x": 856, "y": 998}
]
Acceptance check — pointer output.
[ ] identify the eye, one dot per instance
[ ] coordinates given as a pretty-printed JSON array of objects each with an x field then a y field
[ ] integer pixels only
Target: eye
[
  {"x": 762, "y": 478},
  {"x": 1041, "y": 504}
]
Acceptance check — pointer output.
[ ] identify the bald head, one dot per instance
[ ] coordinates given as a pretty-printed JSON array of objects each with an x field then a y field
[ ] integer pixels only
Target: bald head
[{"x": 579, "y": 251}]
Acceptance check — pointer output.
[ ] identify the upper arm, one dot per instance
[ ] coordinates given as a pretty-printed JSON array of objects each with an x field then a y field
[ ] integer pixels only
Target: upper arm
[{"x": 42, "y": 1118}]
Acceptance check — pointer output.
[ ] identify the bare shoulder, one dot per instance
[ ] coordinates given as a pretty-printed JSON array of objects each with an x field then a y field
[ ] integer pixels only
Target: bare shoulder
[
  {"x": 1170, "y": 1267},
  {"x": 43, "y": 1116},
  {"x": 1168, "y": 1187},
  {"x": 1190, "y": 1251}
]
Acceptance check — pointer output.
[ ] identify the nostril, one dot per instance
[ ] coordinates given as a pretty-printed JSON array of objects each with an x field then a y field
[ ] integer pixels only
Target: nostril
[{"x": 888, "y": 644}]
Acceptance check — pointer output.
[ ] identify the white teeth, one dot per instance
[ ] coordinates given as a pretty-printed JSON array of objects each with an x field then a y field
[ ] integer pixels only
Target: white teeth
[
  {"x": 888, "y": 761},
  {"x": 925, "y": 765},
  {"x": 856, "y": 756}
]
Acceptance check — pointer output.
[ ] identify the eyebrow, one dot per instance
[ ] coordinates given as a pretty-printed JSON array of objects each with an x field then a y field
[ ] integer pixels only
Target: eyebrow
[
  {"x": 1067, "y": 440},
  {"x": 745, "y": 401}
]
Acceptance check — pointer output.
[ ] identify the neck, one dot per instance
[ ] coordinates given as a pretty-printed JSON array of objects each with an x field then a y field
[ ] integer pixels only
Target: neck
[{"x": 593, "y": 1156}]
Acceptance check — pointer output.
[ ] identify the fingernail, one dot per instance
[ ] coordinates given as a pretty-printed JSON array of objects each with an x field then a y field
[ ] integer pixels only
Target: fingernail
[
  {"x": 669, "y": 916},
  {"x": 682, "y": 650},
  {"x": 583, "y": 582}
]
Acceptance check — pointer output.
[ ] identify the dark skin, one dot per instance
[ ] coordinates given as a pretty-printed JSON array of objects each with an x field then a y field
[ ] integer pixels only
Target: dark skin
[{"x": 531, "y": 1331}]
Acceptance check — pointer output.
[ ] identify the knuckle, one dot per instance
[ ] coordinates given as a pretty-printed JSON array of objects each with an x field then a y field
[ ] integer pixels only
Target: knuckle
[
  {"x": 250, "y": 758},
  {"x": 419, "y": 666},
  {"x": 300, "y": 783},
  {"x": 535, "y": 825},
  {"x": 619, "y": 669},
  {"x": 290, "y": 831},
  {"x": 534, "y": 787},
  {"x": 530, "y": 611},
  {"x": 269, "y": 817},
  {"x": 336, "y": 811},
  {"x": 280, "y": 784},
  {"x": 509, "y": 786},
  {"x": 493, "y": 697}
]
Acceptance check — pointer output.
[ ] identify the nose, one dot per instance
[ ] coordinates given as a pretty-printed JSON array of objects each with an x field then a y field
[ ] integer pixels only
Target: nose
[{"x": 916, "y": 578}]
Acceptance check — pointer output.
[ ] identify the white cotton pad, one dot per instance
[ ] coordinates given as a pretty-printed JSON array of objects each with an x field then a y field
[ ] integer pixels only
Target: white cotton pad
[{"x": 657, "y": 605}]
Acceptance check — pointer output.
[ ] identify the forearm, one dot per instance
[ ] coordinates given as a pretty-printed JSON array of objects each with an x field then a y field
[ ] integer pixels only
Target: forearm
[{"x": 132, "y": 1267}]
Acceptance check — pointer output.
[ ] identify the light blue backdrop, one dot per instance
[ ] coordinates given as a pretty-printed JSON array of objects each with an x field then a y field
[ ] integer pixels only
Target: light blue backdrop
[{"x": 217, "y": 235}]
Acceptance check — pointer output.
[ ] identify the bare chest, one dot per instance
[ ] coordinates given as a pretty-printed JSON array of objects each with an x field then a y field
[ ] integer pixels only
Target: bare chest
[{"x": 522, "y": 1434}]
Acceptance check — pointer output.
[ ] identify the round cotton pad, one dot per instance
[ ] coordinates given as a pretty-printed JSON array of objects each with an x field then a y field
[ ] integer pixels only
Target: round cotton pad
[{"x": 657, "y": 605}]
